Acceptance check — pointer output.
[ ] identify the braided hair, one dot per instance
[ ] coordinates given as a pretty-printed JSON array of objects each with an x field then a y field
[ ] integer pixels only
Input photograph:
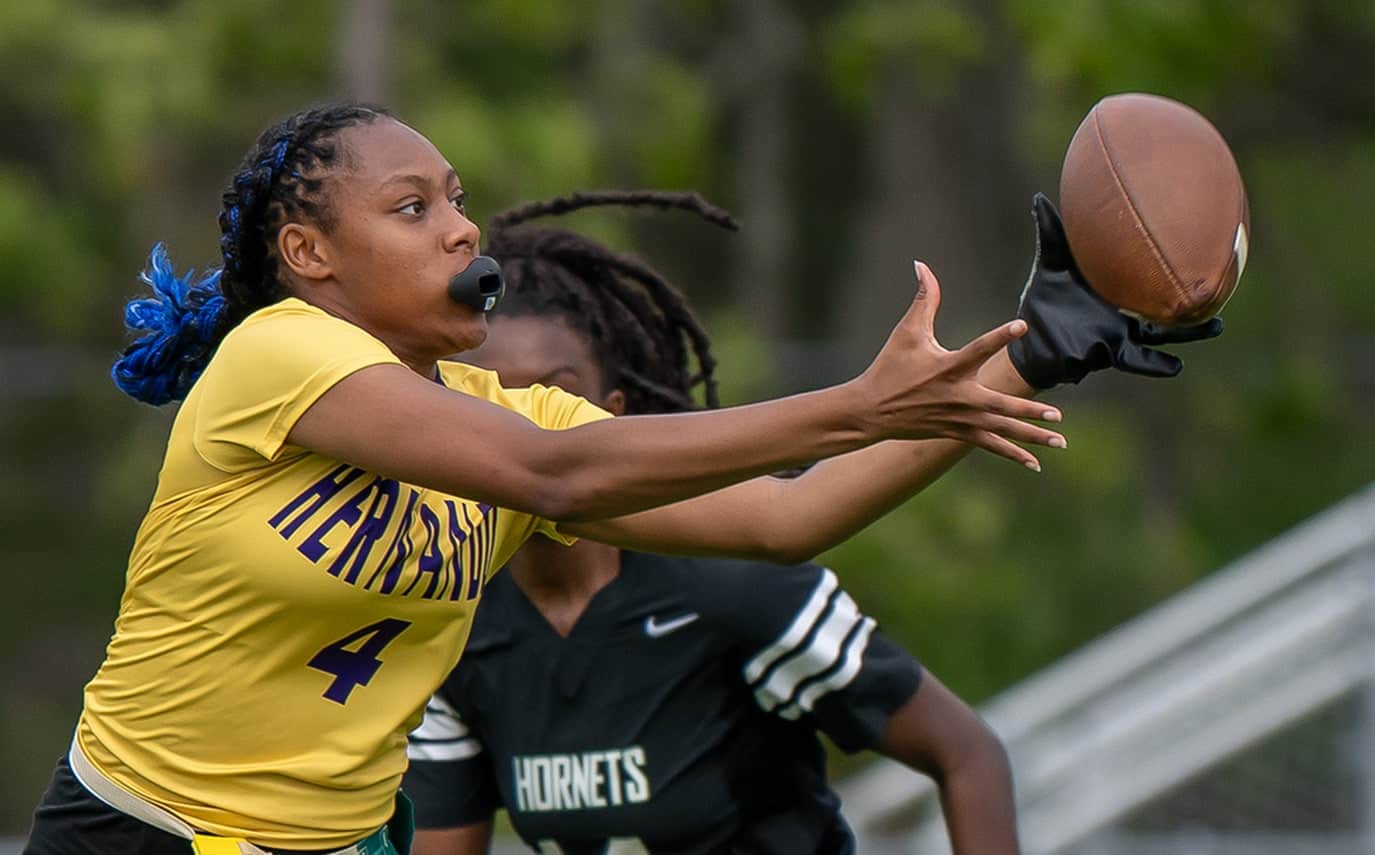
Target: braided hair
[
  {"x": 280, "y": 179},
  {"x": 639, "y": 325}
]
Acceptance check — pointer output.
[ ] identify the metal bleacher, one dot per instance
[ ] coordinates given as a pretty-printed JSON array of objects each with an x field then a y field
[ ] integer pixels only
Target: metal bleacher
[{"x": 1112, "y": 748}]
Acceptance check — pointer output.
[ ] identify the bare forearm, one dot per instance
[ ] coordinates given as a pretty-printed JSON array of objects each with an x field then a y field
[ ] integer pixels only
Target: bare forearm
[
  {"x": 618, "y": 466},
  {"x": 938, "y": 734},
  {"x": 977, "y": 800},
  {"x": 837, "y": 498},
  {"x": 791, "y": 520},
  {"x": 940, "y": 394},
  {"x": 388, "y": 420}
]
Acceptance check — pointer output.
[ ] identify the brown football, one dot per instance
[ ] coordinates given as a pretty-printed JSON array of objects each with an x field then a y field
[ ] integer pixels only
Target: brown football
[{"x": 1154, "y": 209}]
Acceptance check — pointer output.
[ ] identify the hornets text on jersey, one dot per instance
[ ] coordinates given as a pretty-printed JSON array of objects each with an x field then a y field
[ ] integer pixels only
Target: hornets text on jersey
[{"x": 679, "y": 715}]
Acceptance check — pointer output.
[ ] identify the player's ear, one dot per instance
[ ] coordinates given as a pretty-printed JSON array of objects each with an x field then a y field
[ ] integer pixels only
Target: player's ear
[
  {"x": 614, "y": 402},
  {"x": 304, "y": 250}
]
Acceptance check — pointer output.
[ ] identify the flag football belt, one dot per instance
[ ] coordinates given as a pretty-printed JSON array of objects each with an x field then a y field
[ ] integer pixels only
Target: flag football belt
[{"x": 377, "y": 843}]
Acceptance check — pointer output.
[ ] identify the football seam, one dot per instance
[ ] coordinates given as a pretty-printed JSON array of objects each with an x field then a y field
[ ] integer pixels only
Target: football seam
[{"x": 1164, "y": 262}]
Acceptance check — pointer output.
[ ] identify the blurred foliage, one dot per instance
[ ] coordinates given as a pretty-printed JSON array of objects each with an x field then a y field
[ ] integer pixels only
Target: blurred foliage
[
  {"x": 124, "y": 117},
  {"x": 937, "y": 38}
]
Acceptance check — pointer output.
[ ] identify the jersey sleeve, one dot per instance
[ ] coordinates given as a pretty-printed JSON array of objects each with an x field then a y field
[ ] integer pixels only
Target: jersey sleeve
[
  {"x": 450, "y": 777},
  {"x": 267, "y": 373},
  {"x": 808, "y": 652}
]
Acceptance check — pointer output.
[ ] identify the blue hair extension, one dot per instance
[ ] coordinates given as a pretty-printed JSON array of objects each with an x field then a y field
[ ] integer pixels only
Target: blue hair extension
[
  {"x": 180, "y": 330},
  {"x": 229, "y": 238},
  {"x": 278, "y": 153}
]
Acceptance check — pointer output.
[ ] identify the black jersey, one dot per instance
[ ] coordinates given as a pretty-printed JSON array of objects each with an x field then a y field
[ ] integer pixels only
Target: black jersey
[{"x": 678, "y": 716}]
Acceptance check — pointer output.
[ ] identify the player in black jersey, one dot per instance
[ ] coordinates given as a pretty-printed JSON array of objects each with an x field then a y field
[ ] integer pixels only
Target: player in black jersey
[
  {"x": 679, "y": 714},
  {"x": 664, "y": 704},
  {"x": 621, "y": 702}
]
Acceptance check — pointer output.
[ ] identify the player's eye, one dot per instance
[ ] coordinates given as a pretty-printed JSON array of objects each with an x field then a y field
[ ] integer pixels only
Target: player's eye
[
  {"x": 412, "y": 209},
  {"x": 460, "y": 203}
]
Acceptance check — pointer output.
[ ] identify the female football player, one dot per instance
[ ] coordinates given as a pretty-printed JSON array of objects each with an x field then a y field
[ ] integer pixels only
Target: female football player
[
  {"x": 670, "y": 704},
  {"x": 332, "y": 498}
]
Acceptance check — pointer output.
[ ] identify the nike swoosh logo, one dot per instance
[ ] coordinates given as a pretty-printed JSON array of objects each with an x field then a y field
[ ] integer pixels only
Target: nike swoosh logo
[{"x": 654, "y": 629}]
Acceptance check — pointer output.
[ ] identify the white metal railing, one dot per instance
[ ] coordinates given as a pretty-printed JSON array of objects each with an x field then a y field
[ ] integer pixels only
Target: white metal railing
[{"x": 1240, "y": 655}]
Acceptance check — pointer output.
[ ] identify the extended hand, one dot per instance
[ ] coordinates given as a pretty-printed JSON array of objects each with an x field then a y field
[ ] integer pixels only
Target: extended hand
[
  {"x": 918, "y": 389},
  {"x": 1072, "y": 331}
]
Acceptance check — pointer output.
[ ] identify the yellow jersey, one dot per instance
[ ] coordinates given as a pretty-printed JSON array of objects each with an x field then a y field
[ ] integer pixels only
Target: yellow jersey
[{"x": 285, "y": 614}]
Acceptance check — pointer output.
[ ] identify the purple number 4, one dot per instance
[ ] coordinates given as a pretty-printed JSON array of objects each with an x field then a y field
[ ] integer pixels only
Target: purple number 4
[{"x": 356, "y": 667}]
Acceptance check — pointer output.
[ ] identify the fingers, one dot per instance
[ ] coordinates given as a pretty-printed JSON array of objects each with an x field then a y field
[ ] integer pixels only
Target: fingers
[
  {"x": 1011, "y": 406},
  {"x": 922, "y": 313},
  {"x": 1004, "y": 448},
  {"x": 1021, "y": 431},
  {"x": 981, "y": 349},
  {"x": 1150, "y": 333},
  {"x": 1001, "y": 423}
]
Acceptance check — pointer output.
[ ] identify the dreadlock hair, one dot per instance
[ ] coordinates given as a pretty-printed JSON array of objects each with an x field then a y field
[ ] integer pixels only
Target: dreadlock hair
[
  {"x": 638, "y": 324},
  {"x": 281, "y": 178}
]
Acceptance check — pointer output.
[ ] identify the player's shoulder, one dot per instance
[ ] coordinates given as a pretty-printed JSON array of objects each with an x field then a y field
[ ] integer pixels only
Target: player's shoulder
[
  {"x": 688, "y": 572},
  {"x": 294, "y": 332},
  {"x": 729, "y": 590},
  {"x": 286, "y": 315}
]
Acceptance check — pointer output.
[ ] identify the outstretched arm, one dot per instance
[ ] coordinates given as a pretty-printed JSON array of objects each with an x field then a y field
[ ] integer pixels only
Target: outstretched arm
[
  {"x": 789, "y": 520},
  {"x": 1071, "y": 333},
  {"x": 389, "y": 420},
  {"x": 939, "y": 735}
]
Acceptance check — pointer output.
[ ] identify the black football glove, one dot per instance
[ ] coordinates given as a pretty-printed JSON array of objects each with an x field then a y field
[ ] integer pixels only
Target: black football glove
[{"x": 1072, "y": 331}]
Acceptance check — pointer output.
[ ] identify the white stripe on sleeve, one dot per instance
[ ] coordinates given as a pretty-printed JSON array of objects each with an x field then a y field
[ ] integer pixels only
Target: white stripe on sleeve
[
  {"x": 820, "y": 655},
  {"x": 441, "y": 735},
  {"x": 796, "y": 631},
  {"x": 460, "y": 750},
  {"x": 854, "y": 657}
]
